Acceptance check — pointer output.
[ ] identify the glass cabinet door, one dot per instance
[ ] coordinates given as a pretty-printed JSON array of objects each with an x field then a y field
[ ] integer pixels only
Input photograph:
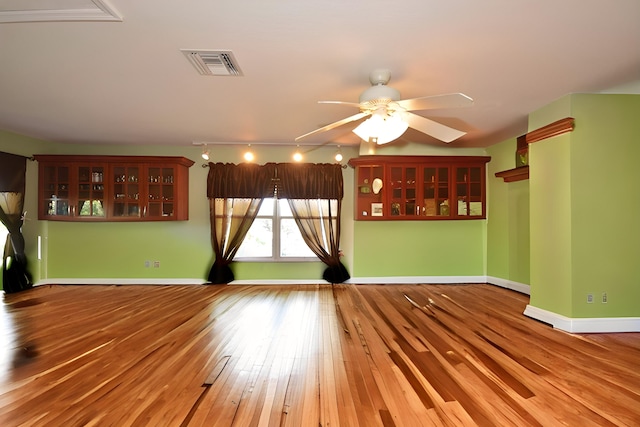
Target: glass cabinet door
[
  {"x": 404, "y": 200},
  {"x": 469, "y": 191},
  {"x": 90, "y": 201},
  {"x": 161, "y": 192},
  {"x": 435, "y": 191},
  {"x": 370, "y": 191},
  {"x": 125, "y": 181},
  {"x": 56, "y": 191}
]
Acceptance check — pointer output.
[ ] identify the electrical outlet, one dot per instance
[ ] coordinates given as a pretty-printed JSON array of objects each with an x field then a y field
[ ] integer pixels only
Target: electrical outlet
[
  {"x": 156, "y": 264},
  {"x": 589, "y": 298},
  {"x": 147, "y": 264},
  {"x": 604, "y": 298}
]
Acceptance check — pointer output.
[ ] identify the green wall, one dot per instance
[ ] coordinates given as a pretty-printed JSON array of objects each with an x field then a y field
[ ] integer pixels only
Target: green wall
[
  {"x": 606, "y": 204},
  {"x": 419, "y": 248},
  {"x": 550, "y": 216},
  {"x": 507, "y": 218},
  {"x": 585, "y": 234}
]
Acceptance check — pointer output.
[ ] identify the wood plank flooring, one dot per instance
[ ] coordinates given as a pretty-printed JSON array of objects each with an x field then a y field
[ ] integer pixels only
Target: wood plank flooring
[{"x": 321, "y": 355}]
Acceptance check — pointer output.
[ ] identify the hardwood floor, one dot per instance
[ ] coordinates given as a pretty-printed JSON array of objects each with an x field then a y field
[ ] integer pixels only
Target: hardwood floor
[{"x": 349, "y": 355}]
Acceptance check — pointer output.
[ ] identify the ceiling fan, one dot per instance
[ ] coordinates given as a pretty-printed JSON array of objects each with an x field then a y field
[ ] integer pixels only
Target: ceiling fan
[{"x": 390, "y": 116}]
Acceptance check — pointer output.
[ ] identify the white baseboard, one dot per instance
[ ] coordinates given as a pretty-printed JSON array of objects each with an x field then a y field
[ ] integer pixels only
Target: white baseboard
[
  {"x": 509, "y": 284},
  {"x": 584, "y": 325},
  {"x": 408, "y": 280},
  {"x": 120, "y": 281},
  {"x": 279, "y": 282}
]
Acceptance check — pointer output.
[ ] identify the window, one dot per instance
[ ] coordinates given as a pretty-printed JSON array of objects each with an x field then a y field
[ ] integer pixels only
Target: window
[{"x": 263, "y": 244}]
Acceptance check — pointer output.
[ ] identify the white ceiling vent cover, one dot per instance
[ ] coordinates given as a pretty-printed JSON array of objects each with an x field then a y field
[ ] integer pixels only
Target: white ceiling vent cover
[{"x": 213, "y": 62}]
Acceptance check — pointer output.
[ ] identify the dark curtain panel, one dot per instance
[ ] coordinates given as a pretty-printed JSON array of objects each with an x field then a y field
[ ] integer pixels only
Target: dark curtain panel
[
  {"x": 235, "y": 194},
  {"x": 314, "y": 192},
  {"x": 15, "y": 276}
]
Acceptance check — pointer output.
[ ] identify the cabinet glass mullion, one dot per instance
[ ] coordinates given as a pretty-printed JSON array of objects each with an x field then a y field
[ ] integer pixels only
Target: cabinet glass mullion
[
  {"x": 403, "y": 181},
  {"x": 435, "y": 189},
  {"x": 126, "y": 182},
  {"x": 90, "y": 202},
  {"x": 469, "y": 191},
  {"x": 56, "y": 187},
  {"x": 161, "y": 190}
]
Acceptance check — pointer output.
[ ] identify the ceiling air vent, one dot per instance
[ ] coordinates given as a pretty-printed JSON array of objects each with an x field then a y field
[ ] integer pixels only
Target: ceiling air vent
[{"x": 213, "y": 62}]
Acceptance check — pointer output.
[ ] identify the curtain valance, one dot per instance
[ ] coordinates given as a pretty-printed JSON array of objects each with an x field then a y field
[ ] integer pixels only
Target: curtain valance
[
  {"x": 289, "y": 180},
  {"x": 246, "y": 180},
  {"x": 12, "y": 171},
  {"x": 309, "y": 181}
]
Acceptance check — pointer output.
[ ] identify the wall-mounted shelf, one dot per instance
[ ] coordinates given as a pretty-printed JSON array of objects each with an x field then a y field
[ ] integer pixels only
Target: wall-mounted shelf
[
  {"x": 521, "y": 173},
  {"x": 420, "y": 187},
  {"x": 513, "y": 175},
  {"x": 113, "y": 188}
]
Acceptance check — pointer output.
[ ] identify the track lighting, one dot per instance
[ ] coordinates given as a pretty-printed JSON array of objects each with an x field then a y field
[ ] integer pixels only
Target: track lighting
[
  {"x": 338, "y": 155},
  {"x": 205, "y": 152},
  {"x": 248, "y": 155}
]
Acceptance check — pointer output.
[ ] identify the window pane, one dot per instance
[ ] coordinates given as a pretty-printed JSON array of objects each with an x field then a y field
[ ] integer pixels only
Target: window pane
[
  {"x": 266, "y": 208},
  {"x": 291, "y": 242},
  {"x": 283, "y": 208},
  {"x": 259, "y": 239}
]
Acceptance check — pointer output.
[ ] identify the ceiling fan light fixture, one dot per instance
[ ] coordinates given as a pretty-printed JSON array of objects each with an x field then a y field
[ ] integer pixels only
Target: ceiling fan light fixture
[{"x": 384, "y": 128}]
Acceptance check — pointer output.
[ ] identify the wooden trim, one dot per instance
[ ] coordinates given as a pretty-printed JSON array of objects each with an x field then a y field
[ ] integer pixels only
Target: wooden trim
[
  {"x": 404, "y": 160},
  {"x": 553, "y": 129},
  {"x": 182, "y": 161},
  {"x": 512, "y": 175}
]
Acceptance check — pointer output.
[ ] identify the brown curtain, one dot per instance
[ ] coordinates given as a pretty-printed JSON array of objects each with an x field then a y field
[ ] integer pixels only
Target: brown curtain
[
  {"x": 235, "y": 194},
  {"x": 315, "y": 192},
  {"x": 15, "y": 276}
]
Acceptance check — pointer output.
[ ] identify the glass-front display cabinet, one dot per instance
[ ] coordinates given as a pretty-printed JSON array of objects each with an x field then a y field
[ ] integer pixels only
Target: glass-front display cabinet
[
  {"x": 55, "y": 188},
  {"x": 113, "y": 188},
  {"x": 419, "y": 187}
]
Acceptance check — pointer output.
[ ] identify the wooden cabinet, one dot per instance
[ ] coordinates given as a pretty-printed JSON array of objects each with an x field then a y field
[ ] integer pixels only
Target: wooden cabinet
[
  {"x": 113, "y": 188},
  {"x": 419, "y": 187}
]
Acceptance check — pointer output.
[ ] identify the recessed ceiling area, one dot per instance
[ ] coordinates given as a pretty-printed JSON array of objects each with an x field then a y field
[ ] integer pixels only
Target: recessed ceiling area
[
  {"x": 56, "y": 10},
  {"x": 114, "y": 72}
]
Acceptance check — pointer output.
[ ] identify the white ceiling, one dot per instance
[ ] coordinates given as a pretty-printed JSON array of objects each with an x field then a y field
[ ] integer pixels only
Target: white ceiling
[{"x": 128, "y": 81}]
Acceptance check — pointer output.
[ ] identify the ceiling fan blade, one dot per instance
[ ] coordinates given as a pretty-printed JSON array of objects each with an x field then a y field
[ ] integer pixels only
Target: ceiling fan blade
[
  {"x": 450, "y": 100},
  {"x": 431, "y": 128},
  {"x": 335, "y": 124},
  {"x": 352, "y": 104}
]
